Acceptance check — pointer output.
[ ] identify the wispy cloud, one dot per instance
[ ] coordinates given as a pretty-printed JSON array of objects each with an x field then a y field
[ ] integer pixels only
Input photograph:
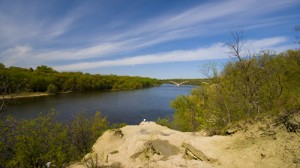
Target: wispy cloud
[
  {"x": 23, "y": 25},
  {"x": 27, "y": 40},
  {"x": 215, "y": 51},
  {"x": 16, "y": 53},
  {"x": 214, "y": 17},
  {"x": 212, "y": 52}
]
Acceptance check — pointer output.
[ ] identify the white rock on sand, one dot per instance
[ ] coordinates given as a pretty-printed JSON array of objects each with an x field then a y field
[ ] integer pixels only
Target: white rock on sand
[{"x": 152, "y": 145}]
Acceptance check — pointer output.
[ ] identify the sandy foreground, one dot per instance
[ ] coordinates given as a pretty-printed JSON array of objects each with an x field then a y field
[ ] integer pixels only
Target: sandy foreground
[{"x": 152, "y": 145}]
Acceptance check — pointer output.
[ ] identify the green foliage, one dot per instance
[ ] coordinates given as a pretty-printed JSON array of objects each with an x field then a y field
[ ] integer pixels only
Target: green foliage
[
  {"x": 33, "y": 143},
  {"x": 264, "y": 83},
  {"x": 99, "y": 125},
  {"x": 84, "y": 132},
  {"x": 2, "y": 66},
  {"x": 44, "y": 69},
  {"x": 40, "y": 79},
  {"x": 164, "y": 122},
  {"x": 52, "y": 89},
  {"x": 117, "y": 125},
  {"x": 189, "y": 111},
  {"x": 39, "y": 141}
]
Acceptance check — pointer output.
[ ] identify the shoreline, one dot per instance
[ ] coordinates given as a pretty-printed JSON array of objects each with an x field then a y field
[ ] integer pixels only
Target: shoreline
[
  {"x": 24, "y": 95},
  {"x": 41, "y": 94}
]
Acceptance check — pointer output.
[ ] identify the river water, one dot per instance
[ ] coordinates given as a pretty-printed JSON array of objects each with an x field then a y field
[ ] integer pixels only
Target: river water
[{"x": 131, "y": 106}]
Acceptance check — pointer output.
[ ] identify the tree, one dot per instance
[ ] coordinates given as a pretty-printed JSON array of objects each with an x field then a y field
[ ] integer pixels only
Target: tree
[
  {"x": 33, "y": 143},
  {"x": 189, "y": 112},
  {"x": 44, "y": 69},
  {"x": 2, "y": 66},
  {"x": 248, "y": 82},
  {"x": 52, "y": 89},
  {"x": 5, "y": 89},
  {"x": 248, "y": 86},
  {"x": 99, "y": 125},
  {"x": 297, "y": 29}
]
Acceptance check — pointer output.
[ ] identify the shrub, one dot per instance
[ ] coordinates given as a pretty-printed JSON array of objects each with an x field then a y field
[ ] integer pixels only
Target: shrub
[
  {"x": 52, "y": 89},
  {"x": 33, "y": 143}
]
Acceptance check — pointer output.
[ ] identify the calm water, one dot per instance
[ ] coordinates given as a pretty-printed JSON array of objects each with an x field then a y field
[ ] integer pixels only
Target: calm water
[{"x": 120, "y": 106}]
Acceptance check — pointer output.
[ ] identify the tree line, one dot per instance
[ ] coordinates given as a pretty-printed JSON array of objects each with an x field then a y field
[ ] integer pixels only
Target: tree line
[{"x": 44, "y": 78}]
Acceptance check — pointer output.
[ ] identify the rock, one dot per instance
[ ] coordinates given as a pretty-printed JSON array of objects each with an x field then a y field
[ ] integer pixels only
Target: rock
[
  {"x": 162, "y": 147},
  {"x": 296, "y": 160},
  {"x": 194, "y": 153},
  {"x": 292, "y": 123},
  {"x": 118, "y": 132},
  {"x": 269, "y": 133},
  {"x": 158, "y": 147},
  {"x": 230, "y": 131}
]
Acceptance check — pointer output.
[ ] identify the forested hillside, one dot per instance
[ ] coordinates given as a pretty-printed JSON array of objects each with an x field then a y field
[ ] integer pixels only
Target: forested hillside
[{"x": 43, "y": 78}]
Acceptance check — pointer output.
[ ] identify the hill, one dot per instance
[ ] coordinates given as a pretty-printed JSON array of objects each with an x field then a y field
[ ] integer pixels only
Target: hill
[{"x": 262, "y": 143}]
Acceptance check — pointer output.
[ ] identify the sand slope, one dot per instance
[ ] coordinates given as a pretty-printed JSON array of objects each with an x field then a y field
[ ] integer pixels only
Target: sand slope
[{"x": 152, "y": 145}]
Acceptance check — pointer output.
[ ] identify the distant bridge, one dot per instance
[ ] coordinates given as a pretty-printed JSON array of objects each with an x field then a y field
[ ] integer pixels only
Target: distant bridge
[{"x": 179, "y": 84}]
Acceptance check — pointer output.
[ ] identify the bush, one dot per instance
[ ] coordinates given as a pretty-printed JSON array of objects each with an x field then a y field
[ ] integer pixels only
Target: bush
[
  {"x": 52, "y": 89},
  {"x": 33, "y": 143},
  {"x": 164, "y": 122}
]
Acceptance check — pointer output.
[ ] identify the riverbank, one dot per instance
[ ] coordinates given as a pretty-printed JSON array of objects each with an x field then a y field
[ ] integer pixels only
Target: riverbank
[
  {"x": 25, "y": 95},
  {"x": 261, "y": 144}
]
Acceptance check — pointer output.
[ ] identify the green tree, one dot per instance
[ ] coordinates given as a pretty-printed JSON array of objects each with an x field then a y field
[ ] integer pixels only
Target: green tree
[
  {"x": 2, "y": 66},
  {"x": 248, "y": 86},
  {"x": 37, "y": 142},
  {"x": 189, "y": 111},
  {"x": 52, "y": 89},
  {"x": 99, "y": 125},
  {"x": 84, "y": 133},
  {"x": 33, "y": 143},
  {"x": 44, "y": 69}
]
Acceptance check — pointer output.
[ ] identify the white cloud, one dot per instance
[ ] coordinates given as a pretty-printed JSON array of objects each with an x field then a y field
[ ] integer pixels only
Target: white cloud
[
  {"x": 78, "y": 54},
  {"x": 215, "y": 51},
  {"x": 267, "y": 42},
  {"x": 211, "y": 18},
  {"x": 13, "y": 55},
  {"x": 18, "y": 50},
  {"x": 24, "y": 24}
]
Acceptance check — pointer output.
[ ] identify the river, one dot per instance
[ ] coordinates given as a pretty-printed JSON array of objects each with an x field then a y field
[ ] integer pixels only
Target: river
[{"x": 130, "y": 106}]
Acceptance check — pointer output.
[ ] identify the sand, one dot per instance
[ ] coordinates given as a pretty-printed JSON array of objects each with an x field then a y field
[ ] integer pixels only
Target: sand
[{"x": 259, "y": 145}]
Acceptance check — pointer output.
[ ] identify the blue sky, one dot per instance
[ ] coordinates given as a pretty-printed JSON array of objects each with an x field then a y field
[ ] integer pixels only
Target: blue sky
[{"x": 153, "y": 38}]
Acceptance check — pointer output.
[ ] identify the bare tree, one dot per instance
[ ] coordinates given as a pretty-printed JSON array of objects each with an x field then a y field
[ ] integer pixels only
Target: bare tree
[
  {"x": 6, "y": 95},
  {"x": 236, "y": 43},
  {"x": 297, "y": 29},
  {"x": 209, "y": 70},
  {"x": 3, "y": 91},
  {"x": 253, "y": 74},
  {"x": 248, "y": 85}
]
